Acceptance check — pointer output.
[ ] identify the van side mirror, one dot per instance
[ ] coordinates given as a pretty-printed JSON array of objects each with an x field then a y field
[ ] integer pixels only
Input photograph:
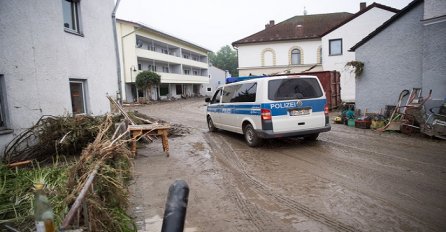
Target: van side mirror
[{"x": 208, "y": 99}]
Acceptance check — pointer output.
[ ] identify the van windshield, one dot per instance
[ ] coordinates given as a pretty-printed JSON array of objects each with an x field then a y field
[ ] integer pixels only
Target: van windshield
[{"x": 294, "y": 88}]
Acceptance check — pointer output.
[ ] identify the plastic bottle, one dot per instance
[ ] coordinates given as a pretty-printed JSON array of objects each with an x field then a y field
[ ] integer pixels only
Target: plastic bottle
[{"x": 43, "y": 213}]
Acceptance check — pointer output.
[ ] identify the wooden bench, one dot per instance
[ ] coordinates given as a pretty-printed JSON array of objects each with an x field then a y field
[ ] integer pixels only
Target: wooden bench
[{"x": 156, "y": 129}]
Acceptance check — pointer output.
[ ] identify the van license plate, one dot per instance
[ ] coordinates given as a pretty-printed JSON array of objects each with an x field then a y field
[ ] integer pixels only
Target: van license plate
[{"x": 298, "y": 112}]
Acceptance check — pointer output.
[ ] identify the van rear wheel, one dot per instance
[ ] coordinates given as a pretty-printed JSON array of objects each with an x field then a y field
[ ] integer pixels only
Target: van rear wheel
[
  {"x": 311, "y": 137},
  {"x": 251, "y": 137},
  {"x": 211, "y": 126}
]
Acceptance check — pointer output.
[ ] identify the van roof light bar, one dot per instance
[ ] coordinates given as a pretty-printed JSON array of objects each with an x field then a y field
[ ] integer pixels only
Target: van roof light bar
[{"x": 244, "y": 78}]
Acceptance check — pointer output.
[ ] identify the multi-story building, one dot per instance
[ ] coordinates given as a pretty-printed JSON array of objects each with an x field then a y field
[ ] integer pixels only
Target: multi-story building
[
  {"x": 182, "y": 65},
  {"x": 293, "y": 45},
  {"x": 63, "y": 63}
]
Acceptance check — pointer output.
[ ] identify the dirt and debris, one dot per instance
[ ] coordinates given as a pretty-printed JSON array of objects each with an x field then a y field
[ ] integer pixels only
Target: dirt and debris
[
  {"x": 350, "y": 179},
  {"x": 52, "y": 136}
]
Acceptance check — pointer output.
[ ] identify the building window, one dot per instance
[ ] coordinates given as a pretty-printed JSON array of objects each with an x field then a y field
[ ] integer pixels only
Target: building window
[
  {"x": 179, "y": 89},
  {"x": 71, "y": 15},
  {"x": 295, "y": 56},
  {"x": 335, "y": 47},
  {"x": 165, "y": 69},
  {"x": 77, "y": 90},
  {"x": 268, "y": 57},
  {"x": 3, "y": 110},
  {"x": 186, "y": 71},
  {"x": 195, "y": 72},
  {"x": 139, "y": 66},
  {"x": 164, "y": 51},
  {"x": 164, "y": 90},
  {"x": 185, "y": 56},
  {"x": 209, "y": 89},
  {"x": 152, "y": 68}
]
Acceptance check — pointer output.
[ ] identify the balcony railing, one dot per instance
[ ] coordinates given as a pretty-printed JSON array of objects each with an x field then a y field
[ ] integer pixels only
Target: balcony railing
[
  {"x": 144, "y": 53},
  {"x": 179, "y": 78}
]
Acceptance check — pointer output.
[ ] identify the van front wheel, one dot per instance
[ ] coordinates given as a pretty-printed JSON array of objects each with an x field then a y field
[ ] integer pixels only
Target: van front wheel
[
  {"x": 211, "y": 126},
  {"x": 251, "y": 137}
]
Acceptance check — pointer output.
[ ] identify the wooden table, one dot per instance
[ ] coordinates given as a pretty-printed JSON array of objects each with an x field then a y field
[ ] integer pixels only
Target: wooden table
[{"x": 156, "y": 129}]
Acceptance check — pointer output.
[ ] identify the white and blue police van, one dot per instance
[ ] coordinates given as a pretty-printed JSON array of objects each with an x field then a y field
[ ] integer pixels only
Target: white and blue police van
[{"x": 270, "y": 107}]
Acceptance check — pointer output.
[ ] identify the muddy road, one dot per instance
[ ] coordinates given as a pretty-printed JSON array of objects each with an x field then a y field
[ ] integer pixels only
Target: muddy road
[{"x": 348, "y": 180}]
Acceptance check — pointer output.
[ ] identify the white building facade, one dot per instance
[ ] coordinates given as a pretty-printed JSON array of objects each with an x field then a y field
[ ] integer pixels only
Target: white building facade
[
  {"x": 63, "y": 63},
  {"x": 337, "y": 42},
  {"x": 183, "y": 66},
  {"x": 217, "y": 78},
  {"x": 278, "y": 57},
  {"x": 291, "y": 46}
]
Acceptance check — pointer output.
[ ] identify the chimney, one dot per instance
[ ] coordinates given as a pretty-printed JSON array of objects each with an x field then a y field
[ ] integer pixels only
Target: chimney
[
  {"x": 271, "y": 23},
  {"x": 362, "y": 5}
]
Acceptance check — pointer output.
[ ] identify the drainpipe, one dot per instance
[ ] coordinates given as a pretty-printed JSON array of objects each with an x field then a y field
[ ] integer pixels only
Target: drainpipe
[{"x": 118, "y": 63}]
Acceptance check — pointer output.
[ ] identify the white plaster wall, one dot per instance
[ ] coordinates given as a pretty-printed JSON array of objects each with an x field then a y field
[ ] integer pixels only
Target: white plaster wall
[
  {"x": 351, "y": 33},
  {"x": 434, "y": 8},
  {"x": 250, "y": 55},
  {"x": 38, "y": 58},
  {"x": 217, "y": 77},
  {"x": 393, "y": 62}
]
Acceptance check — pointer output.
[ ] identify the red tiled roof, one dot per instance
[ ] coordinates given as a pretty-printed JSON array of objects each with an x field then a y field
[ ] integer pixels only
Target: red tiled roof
[{"x": 297, "y": 27}]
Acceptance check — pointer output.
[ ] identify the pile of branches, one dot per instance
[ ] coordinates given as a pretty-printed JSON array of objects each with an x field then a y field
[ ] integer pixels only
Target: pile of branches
[
  {"x": 104, "y": 162},
  {"x": 107, "y": 159},
  {"x": 53, "y": 135}
]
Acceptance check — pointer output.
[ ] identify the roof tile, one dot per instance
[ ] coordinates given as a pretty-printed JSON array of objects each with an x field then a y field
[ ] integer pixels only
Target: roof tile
[{"x": 297, "y": 27}]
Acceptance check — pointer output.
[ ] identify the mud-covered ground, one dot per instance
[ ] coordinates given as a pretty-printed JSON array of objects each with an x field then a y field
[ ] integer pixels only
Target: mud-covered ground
[{"x": 349, "y": 180}]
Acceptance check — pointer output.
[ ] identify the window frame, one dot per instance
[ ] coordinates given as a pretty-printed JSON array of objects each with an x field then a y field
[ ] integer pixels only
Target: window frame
[
  {"x": 75, "y": 18},
  {"x": 299, "y": 56},
  {"x": 84, "y": 95},
  {"x": 180, "y": 87},
  {"x": 4, "y": 116},
  {"x": 330, "y": 45},
  {"x": 217, "y": 96}
]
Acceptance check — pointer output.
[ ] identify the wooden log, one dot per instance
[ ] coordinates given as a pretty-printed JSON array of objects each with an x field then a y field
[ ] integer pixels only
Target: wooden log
[
  {"x": 21, "y": 163},
  {"x": 78, "y": 202}
]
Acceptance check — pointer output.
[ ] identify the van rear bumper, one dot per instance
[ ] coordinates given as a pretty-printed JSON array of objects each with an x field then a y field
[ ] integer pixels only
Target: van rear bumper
[{"x": 269, "y": 134}]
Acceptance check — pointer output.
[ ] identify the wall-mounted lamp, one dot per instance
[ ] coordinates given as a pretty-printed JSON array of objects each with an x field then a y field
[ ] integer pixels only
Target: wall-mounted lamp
[{"x": 133, "y": 68}]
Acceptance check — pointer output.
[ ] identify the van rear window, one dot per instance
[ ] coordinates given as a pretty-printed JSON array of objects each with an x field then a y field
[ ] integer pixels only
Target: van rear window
[{"x": 294, "y": 88}]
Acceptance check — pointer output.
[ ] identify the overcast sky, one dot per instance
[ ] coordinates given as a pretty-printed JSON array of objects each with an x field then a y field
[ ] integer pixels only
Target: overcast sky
[{"x": 215, "y": 23}]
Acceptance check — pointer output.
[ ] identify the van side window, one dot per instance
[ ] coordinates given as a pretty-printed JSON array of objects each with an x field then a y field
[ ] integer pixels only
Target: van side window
[
  {"x": 228, "y": 92},
  {"x": 296, "y": 88},
  {"x": 246, "y": 93},
  {"x": 216, "y": 97}
]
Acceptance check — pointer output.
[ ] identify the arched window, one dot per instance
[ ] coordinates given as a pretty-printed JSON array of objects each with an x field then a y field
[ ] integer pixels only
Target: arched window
[
  {"x": 268, "y": 57},
  {"x": 295, "y": 56}
]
